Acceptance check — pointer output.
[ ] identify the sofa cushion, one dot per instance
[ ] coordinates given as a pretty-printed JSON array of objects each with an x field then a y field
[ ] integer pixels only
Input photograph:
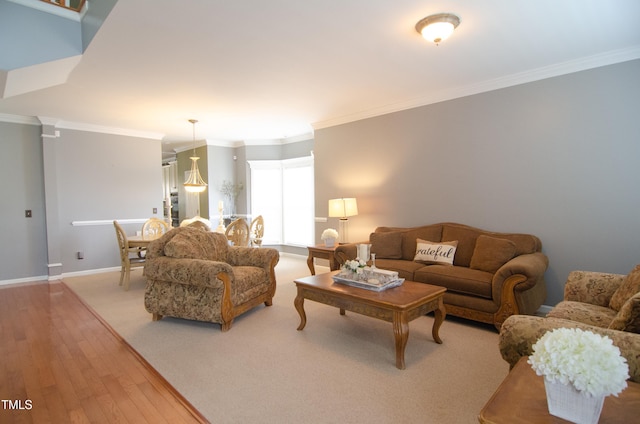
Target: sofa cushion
[
  {"x": 628, "y": 319},
  {"x": 457, "y": 279},
  {"x": 428, "y": 252},
  {"x": 586, "y": 313},
  {"x": 466, "y": 237},
  {"x": 386, "y": 245},
  {"x": 405, "y": 269},
  {"x": 629, "y": 287},
  {"x": 193, "y": 243},
  {"x": 248, "y": 282},
  {"x": 491, "y": 253},
  {"x": 410, "y": 237}
]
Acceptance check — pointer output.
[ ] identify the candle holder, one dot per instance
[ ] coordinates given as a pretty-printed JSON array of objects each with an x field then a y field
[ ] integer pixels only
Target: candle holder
[{"x": 221, "y": 228}]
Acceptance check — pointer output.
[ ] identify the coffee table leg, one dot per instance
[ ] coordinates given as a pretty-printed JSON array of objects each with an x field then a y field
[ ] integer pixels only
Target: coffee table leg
[
  {"x": 439, "y": 315},
  {"x": 401, "y": 334},
  {"x": 299, "y": 304}
]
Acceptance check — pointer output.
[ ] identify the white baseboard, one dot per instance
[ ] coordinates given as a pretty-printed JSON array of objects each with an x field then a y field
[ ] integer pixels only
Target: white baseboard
[
  {"x": 24, "y": 280},
  {"x": 90, "y": 272},
  {"x": 57, "y": 277}
]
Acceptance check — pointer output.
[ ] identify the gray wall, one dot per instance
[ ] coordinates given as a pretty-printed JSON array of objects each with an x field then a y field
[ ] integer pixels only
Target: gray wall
[
  {"x": 76, "y": 176},
  {"x": 23, "y": 244},
  {"x": 222, "y": 167},
  {"x": 101, "y": 177},
  {"x": 44, "y": 35},
  {"x": 557, "y": 158}
]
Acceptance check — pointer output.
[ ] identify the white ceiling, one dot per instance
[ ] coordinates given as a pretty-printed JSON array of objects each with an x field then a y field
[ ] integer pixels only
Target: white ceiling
[{"x": 255, "y": 70}]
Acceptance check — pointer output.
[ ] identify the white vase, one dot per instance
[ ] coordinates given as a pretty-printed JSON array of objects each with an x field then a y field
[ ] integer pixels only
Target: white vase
[
  {"x": 565, "y": 402},
  {"x": 330, "y": 242}
]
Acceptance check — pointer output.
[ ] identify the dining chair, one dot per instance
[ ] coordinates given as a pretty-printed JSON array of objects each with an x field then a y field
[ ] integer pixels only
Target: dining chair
[
  {"x": 238, "y": 232},
  {"x": 256, "y": 230},
  {"x": 129, "y": 257},
  {"x": 155, "y": 227}
]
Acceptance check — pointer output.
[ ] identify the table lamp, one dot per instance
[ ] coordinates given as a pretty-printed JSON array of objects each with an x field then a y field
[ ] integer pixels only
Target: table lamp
[{"x": 343, "y": 208}]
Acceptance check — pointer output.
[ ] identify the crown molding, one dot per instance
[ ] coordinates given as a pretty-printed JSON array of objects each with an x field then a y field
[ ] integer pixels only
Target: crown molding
[
  {"x": 261, "y": 142},
  {"x": 78, "y": 126},
  {"x": 19, "y": 119},
  {"x": 276, "y": 141},
  {"x": 190, "y": 145},
  {"x": 300, "y": 137},
  {"x": 563, "y": 68},
  {"x": 221, "y": 143},
  {"x": 253, "y": 142}
]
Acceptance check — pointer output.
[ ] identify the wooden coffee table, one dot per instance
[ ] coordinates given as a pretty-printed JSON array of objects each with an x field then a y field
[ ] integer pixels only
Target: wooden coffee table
[{"x": 398, "y": 305}]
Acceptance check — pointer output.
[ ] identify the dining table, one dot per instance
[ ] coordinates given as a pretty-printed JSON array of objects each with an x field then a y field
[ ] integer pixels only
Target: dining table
[{"x": 141, "y": 241}]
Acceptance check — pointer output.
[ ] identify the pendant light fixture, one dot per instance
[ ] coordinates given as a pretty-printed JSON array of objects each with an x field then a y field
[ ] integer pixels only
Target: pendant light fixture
[{"x": 195, "y": 183}]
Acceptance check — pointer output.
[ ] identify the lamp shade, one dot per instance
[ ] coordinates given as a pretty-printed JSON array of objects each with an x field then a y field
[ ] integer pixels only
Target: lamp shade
[{"x": 343, "y": 207}]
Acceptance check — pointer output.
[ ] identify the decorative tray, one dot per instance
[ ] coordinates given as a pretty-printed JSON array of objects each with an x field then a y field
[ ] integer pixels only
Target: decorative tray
[{"x": 369, "y": 285}]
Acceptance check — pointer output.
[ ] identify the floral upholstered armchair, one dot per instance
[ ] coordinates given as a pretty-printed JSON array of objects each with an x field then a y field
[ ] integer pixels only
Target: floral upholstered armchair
[
  {"x": 194, "y": 274},
  {"x": 603, "y": 303}
]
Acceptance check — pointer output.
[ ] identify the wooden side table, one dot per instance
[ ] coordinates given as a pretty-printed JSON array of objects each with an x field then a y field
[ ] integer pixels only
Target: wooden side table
[
  {"x": 322, "y": 252},
  {"x": 521, "y": 399}
]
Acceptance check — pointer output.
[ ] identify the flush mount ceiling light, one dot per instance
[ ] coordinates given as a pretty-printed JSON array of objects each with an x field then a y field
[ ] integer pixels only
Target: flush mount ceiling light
[
  {"x": 437, "y": 28},
  {"x": 195, "y": 183}
]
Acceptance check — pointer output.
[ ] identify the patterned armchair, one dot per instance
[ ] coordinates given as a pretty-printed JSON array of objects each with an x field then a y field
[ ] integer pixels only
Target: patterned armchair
[
  {"x": 194, "y": 274},
  {"x": 606, "y": 304}
]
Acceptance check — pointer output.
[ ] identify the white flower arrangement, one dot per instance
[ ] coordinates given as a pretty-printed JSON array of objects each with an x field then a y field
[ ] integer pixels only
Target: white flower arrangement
[
  {"x": 329, "y": 233},
  {"x": 588, "y": 361},
  {"x": 356, "y": 266}
]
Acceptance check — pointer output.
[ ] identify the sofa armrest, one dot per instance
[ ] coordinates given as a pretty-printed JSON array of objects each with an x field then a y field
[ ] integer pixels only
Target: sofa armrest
[
  {"x": 346, "y": 252},
  {"x": 595, "y": 288},
  {"x": 519, "y": 332},
  {"x": 197, "y": 272},
  {"x": 529, "y": 267},
  {"x": 263, "y": 257}
]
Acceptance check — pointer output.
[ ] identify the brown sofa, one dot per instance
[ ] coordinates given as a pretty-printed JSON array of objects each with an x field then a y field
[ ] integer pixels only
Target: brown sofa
[
  {"x": 194, "y": 274},
  {"x": 493, "y": 276},
  {"x": 603, "y": 303}
]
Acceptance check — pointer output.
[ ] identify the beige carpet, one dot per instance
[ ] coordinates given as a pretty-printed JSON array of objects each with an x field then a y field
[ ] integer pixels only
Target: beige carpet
[{"x": 339, "y": 369}]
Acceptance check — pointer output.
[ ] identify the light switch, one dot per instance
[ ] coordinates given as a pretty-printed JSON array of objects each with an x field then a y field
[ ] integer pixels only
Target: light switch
[
  {"x": 155, "y": 210},
  {"x": 27, "y": 213}
]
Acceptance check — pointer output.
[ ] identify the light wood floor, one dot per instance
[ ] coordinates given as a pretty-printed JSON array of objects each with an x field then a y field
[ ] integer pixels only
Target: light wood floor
[{"x": 56, "y": 353}]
